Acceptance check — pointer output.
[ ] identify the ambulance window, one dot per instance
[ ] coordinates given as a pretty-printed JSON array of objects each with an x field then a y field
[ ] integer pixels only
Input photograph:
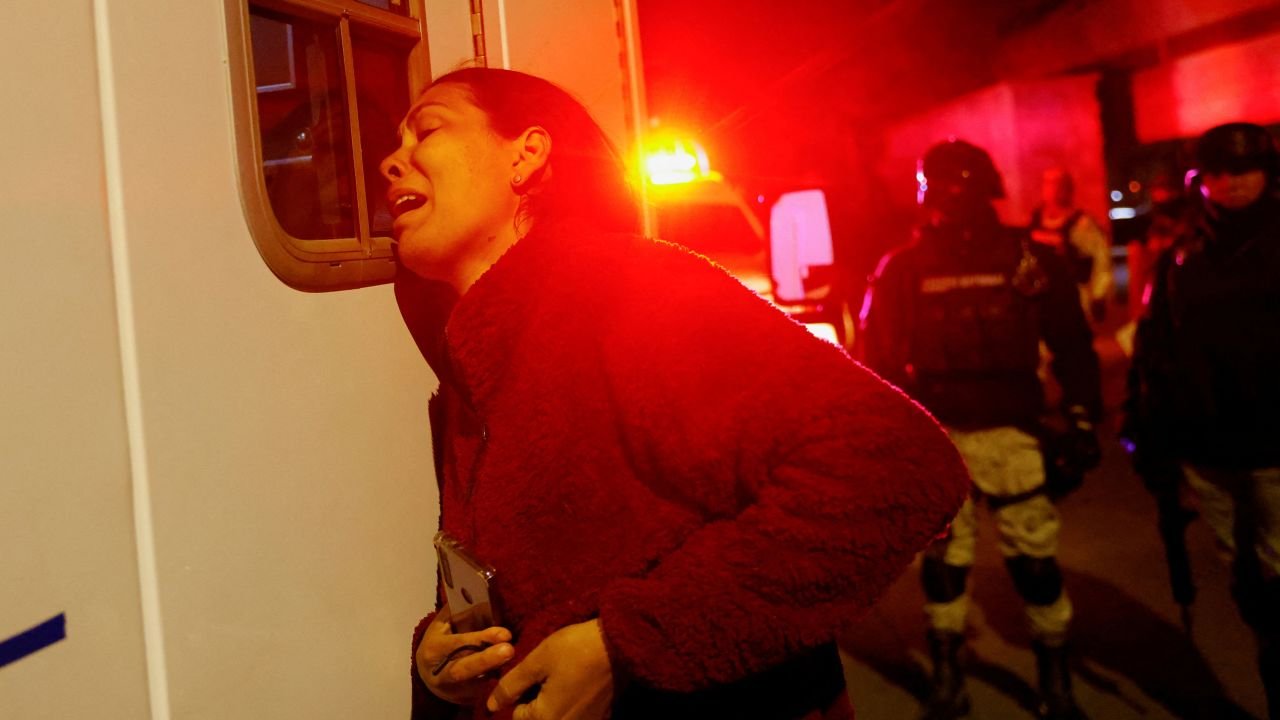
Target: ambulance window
[
  {"x": 400, "y": 7},
  {"x": 319, "y": 88},
  {"x": 302, "y": 121}
]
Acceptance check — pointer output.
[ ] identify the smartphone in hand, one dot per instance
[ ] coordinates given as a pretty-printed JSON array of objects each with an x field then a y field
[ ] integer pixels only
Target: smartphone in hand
[{"x": 468, "y": 586}]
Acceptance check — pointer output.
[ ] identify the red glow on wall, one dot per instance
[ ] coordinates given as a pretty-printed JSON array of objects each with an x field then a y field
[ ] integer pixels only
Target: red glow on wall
[
  {"x": 1027, "y": 127},
  {"x": 1187, "y": 96}
]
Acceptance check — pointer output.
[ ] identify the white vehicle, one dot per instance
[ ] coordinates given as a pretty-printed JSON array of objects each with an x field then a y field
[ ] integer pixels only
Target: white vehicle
[
  {"x": 216, "y": 491},
  {"x": 711, "y": 218},
  {"x": 791, "y": 264}
]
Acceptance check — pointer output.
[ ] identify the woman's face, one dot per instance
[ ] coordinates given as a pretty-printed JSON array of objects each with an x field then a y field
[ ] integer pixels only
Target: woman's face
[
  {"x": 451, "y": 187},
  {"x": 1234, "y": 191}
]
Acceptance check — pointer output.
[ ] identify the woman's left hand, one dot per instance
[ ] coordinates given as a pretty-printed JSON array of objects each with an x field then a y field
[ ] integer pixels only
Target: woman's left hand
[{"x": 572, "y": 667}]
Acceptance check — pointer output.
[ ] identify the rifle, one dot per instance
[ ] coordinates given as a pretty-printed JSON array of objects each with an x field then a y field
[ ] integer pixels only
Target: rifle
[
  {"x": 1144, "y": 437},
  {"x": 1172, "y": 523}
]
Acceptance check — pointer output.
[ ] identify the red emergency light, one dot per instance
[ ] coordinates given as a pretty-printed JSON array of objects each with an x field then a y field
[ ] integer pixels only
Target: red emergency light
[{"x": 673, "y": 160}]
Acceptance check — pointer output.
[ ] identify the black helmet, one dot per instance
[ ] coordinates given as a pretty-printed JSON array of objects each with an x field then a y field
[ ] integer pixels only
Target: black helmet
[
  {"x": 960, "y": 170},
  {"x": 1237, "y": 148}
]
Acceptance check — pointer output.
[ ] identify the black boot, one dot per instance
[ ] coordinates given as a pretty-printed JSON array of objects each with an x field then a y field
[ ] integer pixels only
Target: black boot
[
  {"x": 948, "y": 698},
  {"x": 1056, "y": 700}
]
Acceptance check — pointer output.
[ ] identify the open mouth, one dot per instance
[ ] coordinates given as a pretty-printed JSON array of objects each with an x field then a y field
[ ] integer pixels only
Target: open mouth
[{"x": 406, "y": 203}]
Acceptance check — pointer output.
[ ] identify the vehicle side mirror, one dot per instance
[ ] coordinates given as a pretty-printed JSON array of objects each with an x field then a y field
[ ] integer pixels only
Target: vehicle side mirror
[{"x": 801, "y": 253}]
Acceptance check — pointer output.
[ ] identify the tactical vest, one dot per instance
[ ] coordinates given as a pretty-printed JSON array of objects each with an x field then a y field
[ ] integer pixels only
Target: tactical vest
[
  {"x": 1060, "y": 240},
  {"x": 976, "y": 330},
  {"x": 974, "y": 313}
]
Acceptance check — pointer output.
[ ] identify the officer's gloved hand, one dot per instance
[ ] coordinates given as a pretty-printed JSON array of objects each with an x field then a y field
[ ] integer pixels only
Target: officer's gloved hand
[
  {"x": 1070, "y": 455},
  {"x": 1081, "y": 451}
]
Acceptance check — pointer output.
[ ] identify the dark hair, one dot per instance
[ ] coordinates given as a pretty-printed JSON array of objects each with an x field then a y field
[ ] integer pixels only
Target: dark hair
[{"x": 587, "y": 180}]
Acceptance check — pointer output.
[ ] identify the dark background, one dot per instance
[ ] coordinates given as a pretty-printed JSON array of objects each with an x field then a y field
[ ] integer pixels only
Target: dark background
[{"x": 813, "y": 93}]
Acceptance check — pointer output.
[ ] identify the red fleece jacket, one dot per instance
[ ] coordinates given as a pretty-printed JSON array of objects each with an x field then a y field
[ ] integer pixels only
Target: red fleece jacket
[{"x": 625, "y": 432}]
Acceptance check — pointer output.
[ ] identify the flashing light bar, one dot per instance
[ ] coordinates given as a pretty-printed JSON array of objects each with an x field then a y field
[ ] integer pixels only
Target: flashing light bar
[{"x": 672, "y": 160}]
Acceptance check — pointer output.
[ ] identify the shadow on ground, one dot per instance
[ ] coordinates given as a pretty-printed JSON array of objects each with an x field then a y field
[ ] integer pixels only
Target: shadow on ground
[{"x": 1112, "y": 630}]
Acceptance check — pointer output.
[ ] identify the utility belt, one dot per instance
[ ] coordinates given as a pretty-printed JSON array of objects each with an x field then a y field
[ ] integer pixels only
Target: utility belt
[
  {"x": 982, "y": 399},
  {"x": 1058, "y": 482},
  {"x": 999, "y": 502}
]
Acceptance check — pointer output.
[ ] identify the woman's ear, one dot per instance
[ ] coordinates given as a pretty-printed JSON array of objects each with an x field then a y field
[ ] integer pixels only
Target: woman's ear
[{"x": 533, "y": 150}]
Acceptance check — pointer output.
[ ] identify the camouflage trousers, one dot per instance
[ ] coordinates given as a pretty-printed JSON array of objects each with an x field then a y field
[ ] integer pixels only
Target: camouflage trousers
[{"x": 1005, "y": 463}]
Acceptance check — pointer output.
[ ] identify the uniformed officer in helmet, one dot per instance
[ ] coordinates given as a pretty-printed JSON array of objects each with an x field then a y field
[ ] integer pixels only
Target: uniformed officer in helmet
[
  {"x": 955, "y": 318},
  {"x": 1064, "y": 226},
  {"x": 1207, "y": 357}
]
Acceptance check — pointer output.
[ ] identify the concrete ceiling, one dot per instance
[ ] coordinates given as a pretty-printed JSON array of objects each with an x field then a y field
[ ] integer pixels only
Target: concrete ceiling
[
  {"x": 740, "y": 71},
  {"x": 722, "y": 62},
  {"x": 713, "y": 60}
]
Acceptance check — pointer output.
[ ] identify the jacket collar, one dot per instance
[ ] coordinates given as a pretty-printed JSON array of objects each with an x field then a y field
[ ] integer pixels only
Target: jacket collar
[
  {"x": 481, "y": 334},
  {"x": 470, "y": 341},
  {"x": 425, "y": 306}
]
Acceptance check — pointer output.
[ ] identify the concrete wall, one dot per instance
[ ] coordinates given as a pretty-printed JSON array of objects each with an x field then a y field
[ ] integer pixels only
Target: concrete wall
[
  {"x": 1027, "y": 127},
  {"x": 1082, "y": 34},
  {"x": 1187, "y": 96}
]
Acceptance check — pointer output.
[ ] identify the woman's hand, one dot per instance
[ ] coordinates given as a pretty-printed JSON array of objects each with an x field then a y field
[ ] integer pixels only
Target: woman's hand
[
  {"x": 458, "y": 681},
  {"x": 573, "y": 669}
]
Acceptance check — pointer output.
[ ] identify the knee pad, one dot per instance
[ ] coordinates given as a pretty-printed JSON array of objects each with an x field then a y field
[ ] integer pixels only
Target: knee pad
[
  {"x": 942, "y": 582},
  {"x": 1038, "y": 580}
]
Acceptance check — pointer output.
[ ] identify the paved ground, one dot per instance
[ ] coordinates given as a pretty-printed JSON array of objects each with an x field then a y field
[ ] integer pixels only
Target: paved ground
[{"x": 1132, "y": 658}]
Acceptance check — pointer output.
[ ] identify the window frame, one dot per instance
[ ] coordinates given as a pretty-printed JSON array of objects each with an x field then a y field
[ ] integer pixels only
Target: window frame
[{"x": 324, "y": 264}]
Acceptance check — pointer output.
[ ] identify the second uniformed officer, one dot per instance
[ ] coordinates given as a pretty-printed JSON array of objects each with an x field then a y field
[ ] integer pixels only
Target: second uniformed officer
[
  {"x": 955, "y": 319},
  {"x": 1205, "y": 379}
]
